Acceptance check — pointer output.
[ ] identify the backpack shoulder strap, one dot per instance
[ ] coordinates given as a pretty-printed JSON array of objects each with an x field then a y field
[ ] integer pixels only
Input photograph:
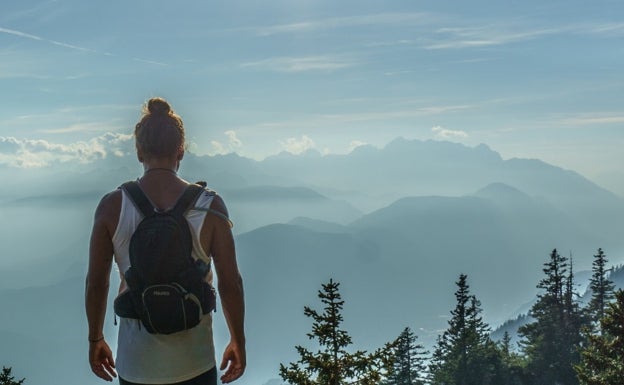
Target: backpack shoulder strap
[
  {"x": 138, "y": 198},
  {"x": 188, "y": 199},
  {"x": 213, "y": 211}
]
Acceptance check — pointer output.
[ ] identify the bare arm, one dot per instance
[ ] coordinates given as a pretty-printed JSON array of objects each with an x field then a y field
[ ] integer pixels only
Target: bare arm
[
  {"x": 230, "y": 287},
  {"x": 96, "y": 289}
]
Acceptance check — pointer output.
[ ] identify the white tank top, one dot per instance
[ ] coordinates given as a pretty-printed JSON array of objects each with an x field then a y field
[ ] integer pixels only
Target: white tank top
[{"x": 158, "y": 358}]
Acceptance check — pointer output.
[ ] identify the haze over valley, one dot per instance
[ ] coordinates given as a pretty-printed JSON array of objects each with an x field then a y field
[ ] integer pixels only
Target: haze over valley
[{"x": 395, "y": 225}]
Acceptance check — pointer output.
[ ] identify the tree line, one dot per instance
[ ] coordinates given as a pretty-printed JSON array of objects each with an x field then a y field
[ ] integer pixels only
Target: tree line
[
  {"x": 564, "y": 342},
  {"x": 7, "y": 378}
]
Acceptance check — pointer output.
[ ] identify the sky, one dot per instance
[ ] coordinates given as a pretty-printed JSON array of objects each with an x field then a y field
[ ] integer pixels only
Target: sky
[{"x": 530, "y": 79}]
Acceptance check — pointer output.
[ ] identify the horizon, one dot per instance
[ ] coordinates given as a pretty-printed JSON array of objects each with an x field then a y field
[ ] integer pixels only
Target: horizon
[
  {"x": 530, "y": 80},
  {"x": 121, "y": 147}
]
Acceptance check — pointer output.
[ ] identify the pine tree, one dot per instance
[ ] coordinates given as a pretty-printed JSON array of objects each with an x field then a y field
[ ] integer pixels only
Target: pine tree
[
  {"x": 408, "y": 366},
  {"x": 601, "y": 288},
  {"x": 333, "y": 364},
  {"x": 574, "y": 323},
  {"x": 465, "y": 354},
  {"x": 7, "y": 379},
  {"x": 602, "y": 361},
  {"x": 550, "y": 342},
  {"x": 513, "y": 363}
]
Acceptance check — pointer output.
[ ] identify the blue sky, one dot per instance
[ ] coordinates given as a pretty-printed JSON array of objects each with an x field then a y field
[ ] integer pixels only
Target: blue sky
[{"x": 531, "y": 79}]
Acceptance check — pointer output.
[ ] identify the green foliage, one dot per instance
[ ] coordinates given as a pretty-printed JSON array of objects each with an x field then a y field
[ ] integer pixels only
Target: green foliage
[
  {"x": 513, "y": 363},
  {"x": 601, "y": 288},
  {"x": 7, "y": 379},
  {"x": 465, "y": 354},
  {"x": 408, "y": 364},
  {"x": 333, "y": 364},
  {"x": 562, "y": 345},
  {"x": 552, "y": 340},
  {"x": 602, "y": 361}
]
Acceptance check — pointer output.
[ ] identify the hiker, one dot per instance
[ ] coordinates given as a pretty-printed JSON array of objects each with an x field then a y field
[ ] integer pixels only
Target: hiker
[{"x": 145, "y": 353}]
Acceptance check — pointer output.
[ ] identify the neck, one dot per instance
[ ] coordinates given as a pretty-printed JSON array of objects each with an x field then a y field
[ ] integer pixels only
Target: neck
[{"x": 159, "y": 169}]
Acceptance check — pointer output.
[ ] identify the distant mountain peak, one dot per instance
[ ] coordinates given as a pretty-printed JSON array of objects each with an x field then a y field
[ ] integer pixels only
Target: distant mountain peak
[
  {"x": 483, "y": 150},
  {"x": 503, "y": 193},
  {"x": 498, "y": 190},
  {"x": 309, "y": 153}
]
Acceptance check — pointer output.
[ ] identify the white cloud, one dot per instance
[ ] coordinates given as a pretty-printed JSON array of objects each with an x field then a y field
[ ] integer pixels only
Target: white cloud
[
  {"x": 217, "y": 148},
  {"x": 302, "y": 64},
  {"x": 298, "y": 146},
  {"x": 9, "y": 145},
  {"x": 19, "y": 33},
  {"x": 81, "y": 127},
  {"x": 148, "y": 61},
  {"x": 233, "y": 140},
  {"x": 482, "y": 36},
  {"x": 355, "y": 144},
  {"x": 443, "y": 133},
  {"x": 349, "y": 21},
  {"x": 27, "y": 153},
  {"x": 233, "y": 143}
]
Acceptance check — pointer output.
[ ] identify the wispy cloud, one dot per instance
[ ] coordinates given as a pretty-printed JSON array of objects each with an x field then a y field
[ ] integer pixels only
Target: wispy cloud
[
  {"x": 393, "y": 114},
  {"x": 39, "y": 38},
  {"x": 607, "y": 29},
  {"x": 438, "y": 31},
  {"x": 20, "y": 34},
  {"x": 330, "y": 121},
  {"x": 302, "y": 64},
  {"x": 81, "y": 127},
  {"x": 446, "y": 134},
  {"x": 148, "y": 61},
  {"x": 594, "y": 120},
  {"x": 70, "y": 121},
  {"x": 493, "y": 35},
  {"x": 347, "y": 21},
  {"x": 70, "y": 46}
]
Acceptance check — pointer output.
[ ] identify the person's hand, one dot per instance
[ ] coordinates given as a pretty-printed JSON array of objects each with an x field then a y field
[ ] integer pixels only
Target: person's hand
[
  {"x": 234, "y": 360},
  {"x": 101, "y": 360}
]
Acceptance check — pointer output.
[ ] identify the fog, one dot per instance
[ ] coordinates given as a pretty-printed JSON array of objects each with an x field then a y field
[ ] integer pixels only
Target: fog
[{"x": 394, "y": 225}]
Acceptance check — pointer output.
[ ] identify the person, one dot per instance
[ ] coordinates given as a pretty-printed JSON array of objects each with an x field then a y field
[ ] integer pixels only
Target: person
[{"x": 185, "y": 357}]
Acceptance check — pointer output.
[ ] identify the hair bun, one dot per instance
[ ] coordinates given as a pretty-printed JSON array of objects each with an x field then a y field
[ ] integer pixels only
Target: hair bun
[{"x": 158, "y": 106}]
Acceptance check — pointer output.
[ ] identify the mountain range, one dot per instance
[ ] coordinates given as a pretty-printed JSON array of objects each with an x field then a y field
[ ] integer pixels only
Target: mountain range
[{"x": 395, "y": 226}]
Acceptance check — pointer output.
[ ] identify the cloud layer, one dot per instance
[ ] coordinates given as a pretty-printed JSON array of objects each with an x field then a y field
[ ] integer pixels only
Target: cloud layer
[
  {"x": 298, "y": 146},
  {"x": 29, "y": 153}
]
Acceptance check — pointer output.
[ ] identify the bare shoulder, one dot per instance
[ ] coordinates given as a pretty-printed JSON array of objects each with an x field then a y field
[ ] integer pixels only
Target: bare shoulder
[
  {"x": 216, "y": 232},
  {"x": 109, "y": 202},
  {"x": 107, "y": 211},
  {"x": 218, "y": 205}
]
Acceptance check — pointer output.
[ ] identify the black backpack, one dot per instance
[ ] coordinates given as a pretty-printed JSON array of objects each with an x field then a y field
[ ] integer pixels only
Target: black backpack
[{"x": 167, "y": 290}]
